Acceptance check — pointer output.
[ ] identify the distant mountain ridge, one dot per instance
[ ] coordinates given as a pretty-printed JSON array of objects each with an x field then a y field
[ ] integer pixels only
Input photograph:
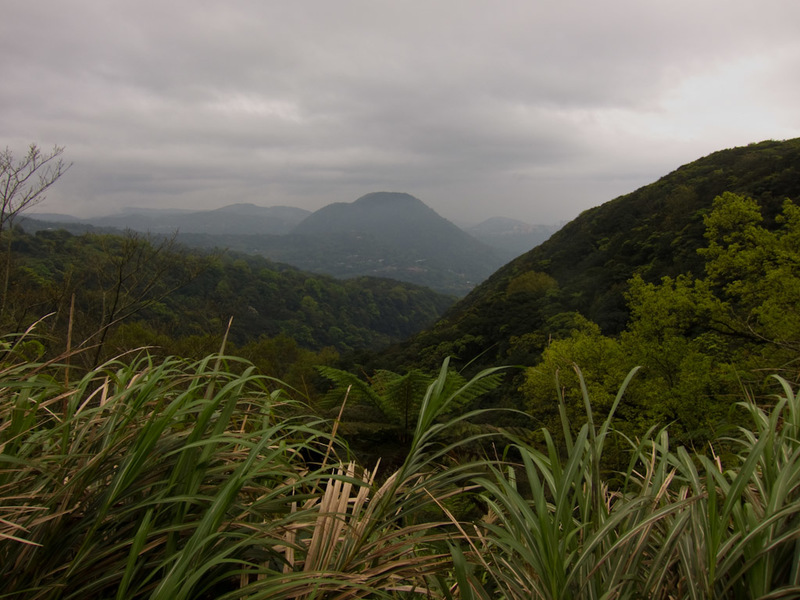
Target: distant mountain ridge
[
  {"x": 378, "y": 213},
  {"x": 380, "y": 234},
  {"x": 511, "y": 236},
  {"x": 409, "y": 231},
  {"x": 242, "y": 219}
]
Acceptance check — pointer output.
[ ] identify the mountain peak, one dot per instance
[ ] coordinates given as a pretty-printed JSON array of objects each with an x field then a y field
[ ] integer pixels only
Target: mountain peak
[
  {"x": 378, "y": 213},
  {"x": 406, "y": 234},
  {"x": 387, "y": 198}
]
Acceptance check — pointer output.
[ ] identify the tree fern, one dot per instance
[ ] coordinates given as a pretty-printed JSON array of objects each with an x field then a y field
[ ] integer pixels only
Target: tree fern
[{"x": 399, "y": 397}]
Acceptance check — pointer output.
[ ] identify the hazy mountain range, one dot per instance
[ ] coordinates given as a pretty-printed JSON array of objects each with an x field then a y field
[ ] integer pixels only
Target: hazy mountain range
[
  {"x": 385, "y": 234},
  {"x": 237, "y": 219}
]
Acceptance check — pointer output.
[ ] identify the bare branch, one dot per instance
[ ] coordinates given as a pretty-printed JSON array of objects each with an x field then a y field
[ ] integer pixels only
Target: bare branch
[{"x": 24, "y": 181}]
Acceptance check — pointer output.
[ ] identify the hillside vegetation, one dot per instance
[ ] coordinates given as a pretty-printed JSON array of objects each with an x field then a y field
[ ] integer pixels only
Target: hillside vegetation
[
  {"x": 585, "y": 267},
  {"x": 132, "y": 290}
]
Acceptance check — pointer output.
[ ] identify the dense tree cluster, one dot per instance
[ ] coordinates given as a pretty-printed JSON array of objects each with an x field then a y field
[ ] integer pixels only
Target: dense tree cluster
[{"x": 699, "y": 340}]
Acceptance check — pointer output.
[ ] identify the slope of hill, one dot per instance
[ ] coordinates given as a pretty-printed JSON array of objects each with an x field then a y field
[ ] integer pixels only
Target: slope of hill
[
  {"x": 178, "y": 293},
  {"x": 398, "y": 235},
  {"x": 584, "y": 268}
]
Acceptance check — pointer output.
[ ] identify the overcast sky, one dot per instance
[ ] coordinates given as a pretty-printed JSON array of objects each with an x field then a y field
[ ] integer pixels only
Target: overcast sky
[{"x": 532, "y": 109}]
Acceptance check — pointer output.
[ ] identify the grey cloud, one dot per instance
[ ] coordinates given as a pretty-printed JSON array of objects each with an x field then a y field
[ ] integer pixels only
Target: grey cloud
[{"x": 532, "y": 109}]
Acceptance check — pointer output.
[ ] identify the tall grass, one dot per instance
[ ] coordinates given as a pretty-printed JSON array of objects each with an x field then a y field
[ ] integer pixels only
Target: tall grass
[
  {"x": 145, "y": 478},
  {"x": 675, "y": 525},
  {"x": 172, "y": 480}
]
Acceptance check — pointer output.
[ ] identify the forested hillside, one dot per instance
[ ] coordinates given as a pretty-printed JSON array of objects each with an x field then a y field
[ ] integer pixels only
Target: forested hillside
[
  {"x": 585, "y": 267},
  {"x": 133, "y": 290}
]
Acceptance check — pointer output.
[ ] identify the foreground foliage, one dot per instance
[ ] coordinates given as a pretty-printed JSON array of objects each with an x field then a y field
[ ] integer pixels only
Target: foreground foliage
[
  {"x": 171, "y": 479},
  {"x": 177, "y": 480},
  {"x": 674, "y": 525}
]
